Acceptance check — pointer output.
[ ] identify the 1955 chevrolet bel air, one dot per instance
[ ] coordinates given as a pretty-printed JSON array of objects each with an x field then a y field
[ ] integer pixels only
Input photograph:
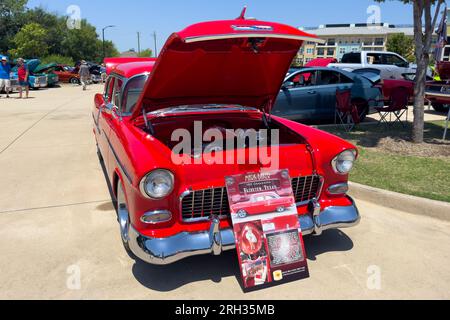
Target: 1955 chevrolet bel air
[{"x": 221, "y": 77}]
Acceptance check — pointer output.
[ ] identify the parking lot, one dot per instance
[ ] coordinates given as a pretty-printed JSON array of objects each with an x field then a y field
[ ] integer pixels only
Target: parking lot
[{"x": 57, "y": 219}]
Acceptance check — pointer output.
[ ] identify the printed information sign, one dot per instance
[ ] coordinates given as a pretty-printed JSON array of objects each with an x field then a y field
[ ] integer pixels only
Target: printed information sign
[{"x": 268, "y": 235}]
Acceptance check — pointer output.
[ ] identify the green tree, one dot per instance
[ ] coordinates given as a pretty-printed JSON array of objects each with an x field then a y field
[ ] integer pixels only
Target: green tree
[
  {"x": 424, "y": 24},
  {"x": 401, "y": 44},
  {"x": 147, "y": 53},
  {"x": 10, "y": 21},
  {"x": 56, "y": 58},
  {"x": 54, "y": 25},
  {"x": 30, "y": 41},
  {"x": 110, "y": 51}
]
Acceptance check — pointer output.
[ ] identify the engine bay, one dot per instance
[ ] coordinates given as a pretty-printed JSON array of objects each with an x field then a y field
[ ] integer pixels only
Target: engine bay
[{"x": 219, "y": 132}]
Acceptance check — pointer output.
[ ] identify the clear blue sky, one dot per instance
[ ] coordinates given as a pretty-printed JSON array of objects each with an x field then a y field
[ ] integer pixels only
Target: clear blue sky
[{"x": 167, "y": 16}]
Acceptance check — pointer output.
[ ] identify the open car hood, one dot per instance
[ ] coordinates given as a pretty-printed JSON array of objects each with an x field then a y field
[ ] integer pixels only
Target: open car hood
[
  {"x": 33, "y": 64},
  {"x": 240, "y": 61},
  {"x": 45, "y": 67}
]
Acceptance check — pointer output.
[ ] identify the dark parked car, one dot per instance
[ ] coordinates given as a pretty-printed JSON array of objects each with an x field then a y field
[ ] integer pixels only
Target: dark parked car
[{"x": 310, "y": 93}]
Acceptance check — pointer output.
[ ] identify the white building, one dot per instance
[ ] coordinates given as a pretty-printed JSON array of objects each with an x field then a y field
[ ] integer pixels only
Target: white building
[{"x": 344, "y": 38}]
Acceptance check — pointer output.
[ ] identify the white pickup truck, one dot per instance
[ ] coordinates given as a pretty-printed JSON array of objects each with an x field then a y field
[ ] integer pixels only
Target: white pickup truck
[{"x": 391, "y": 65}]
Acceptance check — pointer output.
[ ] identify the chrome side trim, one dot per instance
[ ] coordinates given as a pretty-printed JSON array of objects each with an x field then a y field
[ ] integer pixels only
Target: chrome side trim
[
  {"x": 262, "y": 34},
  {"x": 121, "y": 166},
  {"x": 163, "y": 251}
]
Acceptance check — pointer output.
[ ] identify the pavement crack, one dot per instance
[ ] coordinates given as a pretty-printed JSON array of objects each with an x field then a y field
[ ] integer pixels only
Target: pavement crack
[
  {"x": 33, "y": 125},
  {"x": 55, "y": 206}
]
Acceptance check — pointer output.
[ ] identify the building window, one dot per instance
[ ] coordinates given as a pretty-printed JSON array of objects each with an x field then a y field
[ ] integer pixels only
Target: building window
[
  {"x": 367, "y": 42},
  {"x": 342, "y": 50},
  {"x": 330, "y": 52},
  {"x": 320, "y": 51},
  {"x": 331, "y": 42},
  {"x": 310, "y": 51},
  {"x": 379, "y": 41}
]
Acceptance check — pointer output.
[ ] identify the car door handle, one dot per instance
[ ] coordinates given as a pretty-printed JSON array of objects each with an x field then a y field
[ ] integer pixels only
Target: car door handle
[{"x": 311, "y": 92}]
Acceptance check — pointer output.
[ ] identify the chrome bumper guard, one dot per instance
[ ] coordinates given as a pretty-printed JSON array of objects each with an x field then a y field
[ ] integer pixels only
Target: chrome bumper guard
[{"x": 169, "y": 250}]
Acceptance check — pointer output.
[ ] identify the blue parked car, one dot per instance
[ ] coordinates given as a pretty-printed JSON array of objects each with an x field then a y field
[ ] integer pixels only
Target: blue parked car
[{"x": 310, "y": 93}]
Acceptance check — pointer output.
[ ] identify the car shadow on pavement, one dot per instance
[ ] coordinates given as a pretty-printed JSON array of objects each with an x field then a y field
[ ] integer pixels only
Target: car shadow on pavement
[
  {"x": 215, "y": 268},
  {"x": 330, "y": 241},
  {"x": 193, "y": 269}
]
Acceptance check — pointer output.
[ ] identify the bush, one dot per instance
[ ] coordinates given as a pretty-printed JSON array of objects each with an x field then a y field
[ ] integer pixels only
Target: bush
[{"x": 57, "y": 59}]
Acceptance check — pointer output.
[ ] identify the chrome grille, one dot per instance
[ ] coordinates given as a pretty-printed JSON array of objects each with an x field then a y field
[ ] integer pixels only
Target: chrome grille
[{"x": 201, "y": 204}]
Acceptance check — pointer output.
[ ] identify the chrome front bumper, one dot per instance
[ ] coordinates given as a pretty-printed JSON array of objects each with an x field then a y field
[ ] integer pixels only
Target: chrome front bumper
[{"x": 169, "y": 250}]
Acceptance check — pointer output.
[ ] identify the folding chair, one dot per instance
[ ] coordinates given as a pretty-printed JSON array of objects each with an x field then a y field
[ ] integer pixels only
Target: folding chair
[
  {"x": 397, "y": 107},
  {"x": 346, "y": 112}
]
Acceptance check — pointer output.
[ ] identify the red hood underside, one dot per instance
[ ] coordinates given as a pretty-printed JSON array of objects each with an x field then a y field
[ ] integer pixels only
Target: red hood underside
[{"x": 240, "y": 62}]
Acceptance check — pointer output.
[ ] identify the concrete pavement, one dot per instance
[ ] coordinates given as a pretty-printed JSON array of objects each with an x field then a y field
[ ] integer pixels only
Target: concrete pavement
[{"x": 57, "y": 225}]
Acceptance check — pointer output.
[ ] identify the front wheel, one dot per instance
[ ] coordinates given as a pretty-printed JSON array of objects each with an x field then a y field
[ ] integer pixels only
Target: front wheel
[
  {"x": 74, "y": 81},
  {"x": 123, "y": 217},
  {"x": 440, "y": 107}
]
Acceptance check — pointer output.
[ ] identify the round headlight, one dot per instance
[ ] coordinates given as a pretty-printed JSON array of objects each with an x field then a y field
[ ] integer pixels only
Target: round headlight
[
  {"x": 157, "y": 184},
  {"x": 343, "y": 163}
]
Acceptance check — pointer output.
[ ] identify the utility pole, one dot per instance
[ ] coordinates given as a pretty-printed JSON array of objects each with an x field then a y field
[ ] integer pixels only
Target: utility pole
[
  {"x": 139, "y": 42},
  {"x": 154, "y": 39}
]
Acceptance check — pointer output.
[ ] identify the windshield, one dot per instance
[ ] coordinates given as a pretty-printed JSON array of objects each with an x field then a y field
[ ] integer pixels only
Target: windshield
[{"x": 132, "y": 92}]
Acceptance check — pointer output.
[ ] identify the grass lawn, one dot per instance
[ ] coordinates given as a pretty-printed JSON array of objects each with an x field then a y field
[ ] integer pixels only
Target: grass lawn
[{"x": 388, "y": 160}]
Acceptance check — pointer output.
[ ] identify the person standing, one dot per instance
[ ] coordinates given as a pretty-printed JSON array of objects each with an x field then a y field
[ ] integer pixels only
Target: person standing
[
  {"x": 84, "y": 74},
  {"x": 22, "y": 74},
  {"x": 5, "y": 80}
]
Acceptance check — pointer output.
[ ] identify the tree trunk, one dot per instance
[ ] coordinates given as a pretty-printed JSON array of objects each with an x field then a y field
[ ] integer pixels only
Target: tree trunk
[
  {"x": 419, "y": 88},
  {"x": 419, "y": 99}
]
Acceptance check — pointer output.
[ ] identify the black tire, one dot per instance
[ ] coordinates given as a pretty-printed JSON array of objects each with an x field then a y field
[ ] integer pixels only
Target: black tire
[
  {"x": 440, "y": 107},
  {"x": 74, "y": 81}
]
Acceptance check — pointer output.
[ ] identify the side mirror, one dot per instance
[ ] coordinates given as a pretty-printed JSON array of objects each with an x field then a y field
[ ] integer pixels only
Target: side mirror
[
  {"x": 99, "y": 100},
  {"x": 287, "y": 85}
]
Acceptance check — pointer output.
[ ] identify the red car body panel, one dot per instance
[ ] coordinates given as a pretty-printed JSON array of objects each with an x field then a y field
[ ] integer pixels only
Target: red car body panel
[
  {"x": 112, "y": 63},
  {"x": 130, "y": 153}
]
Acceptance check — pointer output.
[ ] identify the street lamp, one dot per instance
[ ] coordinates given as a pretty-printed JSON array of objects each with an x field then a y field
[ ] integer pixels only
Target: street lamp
[{"x": 103, "y": 33}]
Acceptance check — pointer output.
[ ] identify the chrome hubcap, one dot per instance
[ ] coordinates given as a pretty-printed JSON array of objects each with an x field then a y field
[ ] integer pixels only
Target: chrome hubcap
[{"x": 122, "y": 211}]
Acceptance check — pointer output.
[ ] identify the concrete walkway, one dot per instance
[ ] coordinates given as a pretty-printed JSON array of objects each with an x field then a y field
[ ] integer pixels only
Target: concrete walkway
[{"x": 57, "y": 225}]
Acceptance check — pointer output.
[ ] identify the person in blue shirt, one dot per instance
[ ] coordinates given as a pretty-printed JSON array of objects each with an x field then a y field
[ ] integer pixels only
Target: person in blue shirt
[{"x": 5, "y": 81}]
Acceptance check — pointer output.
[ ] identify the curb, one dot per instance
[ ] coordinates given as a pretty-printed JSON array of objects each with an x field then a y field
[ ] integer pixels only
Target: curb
[{"x": 403, "y": 202}]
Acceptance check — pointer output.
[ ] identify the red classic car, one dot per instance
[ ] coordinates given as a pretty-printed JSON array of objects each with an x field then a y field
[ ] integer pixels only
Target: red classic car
[
  {"x": 262, "y": 203},
  {"x": 226, "y": 76},
  {"x": 67, "y": 74}
]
